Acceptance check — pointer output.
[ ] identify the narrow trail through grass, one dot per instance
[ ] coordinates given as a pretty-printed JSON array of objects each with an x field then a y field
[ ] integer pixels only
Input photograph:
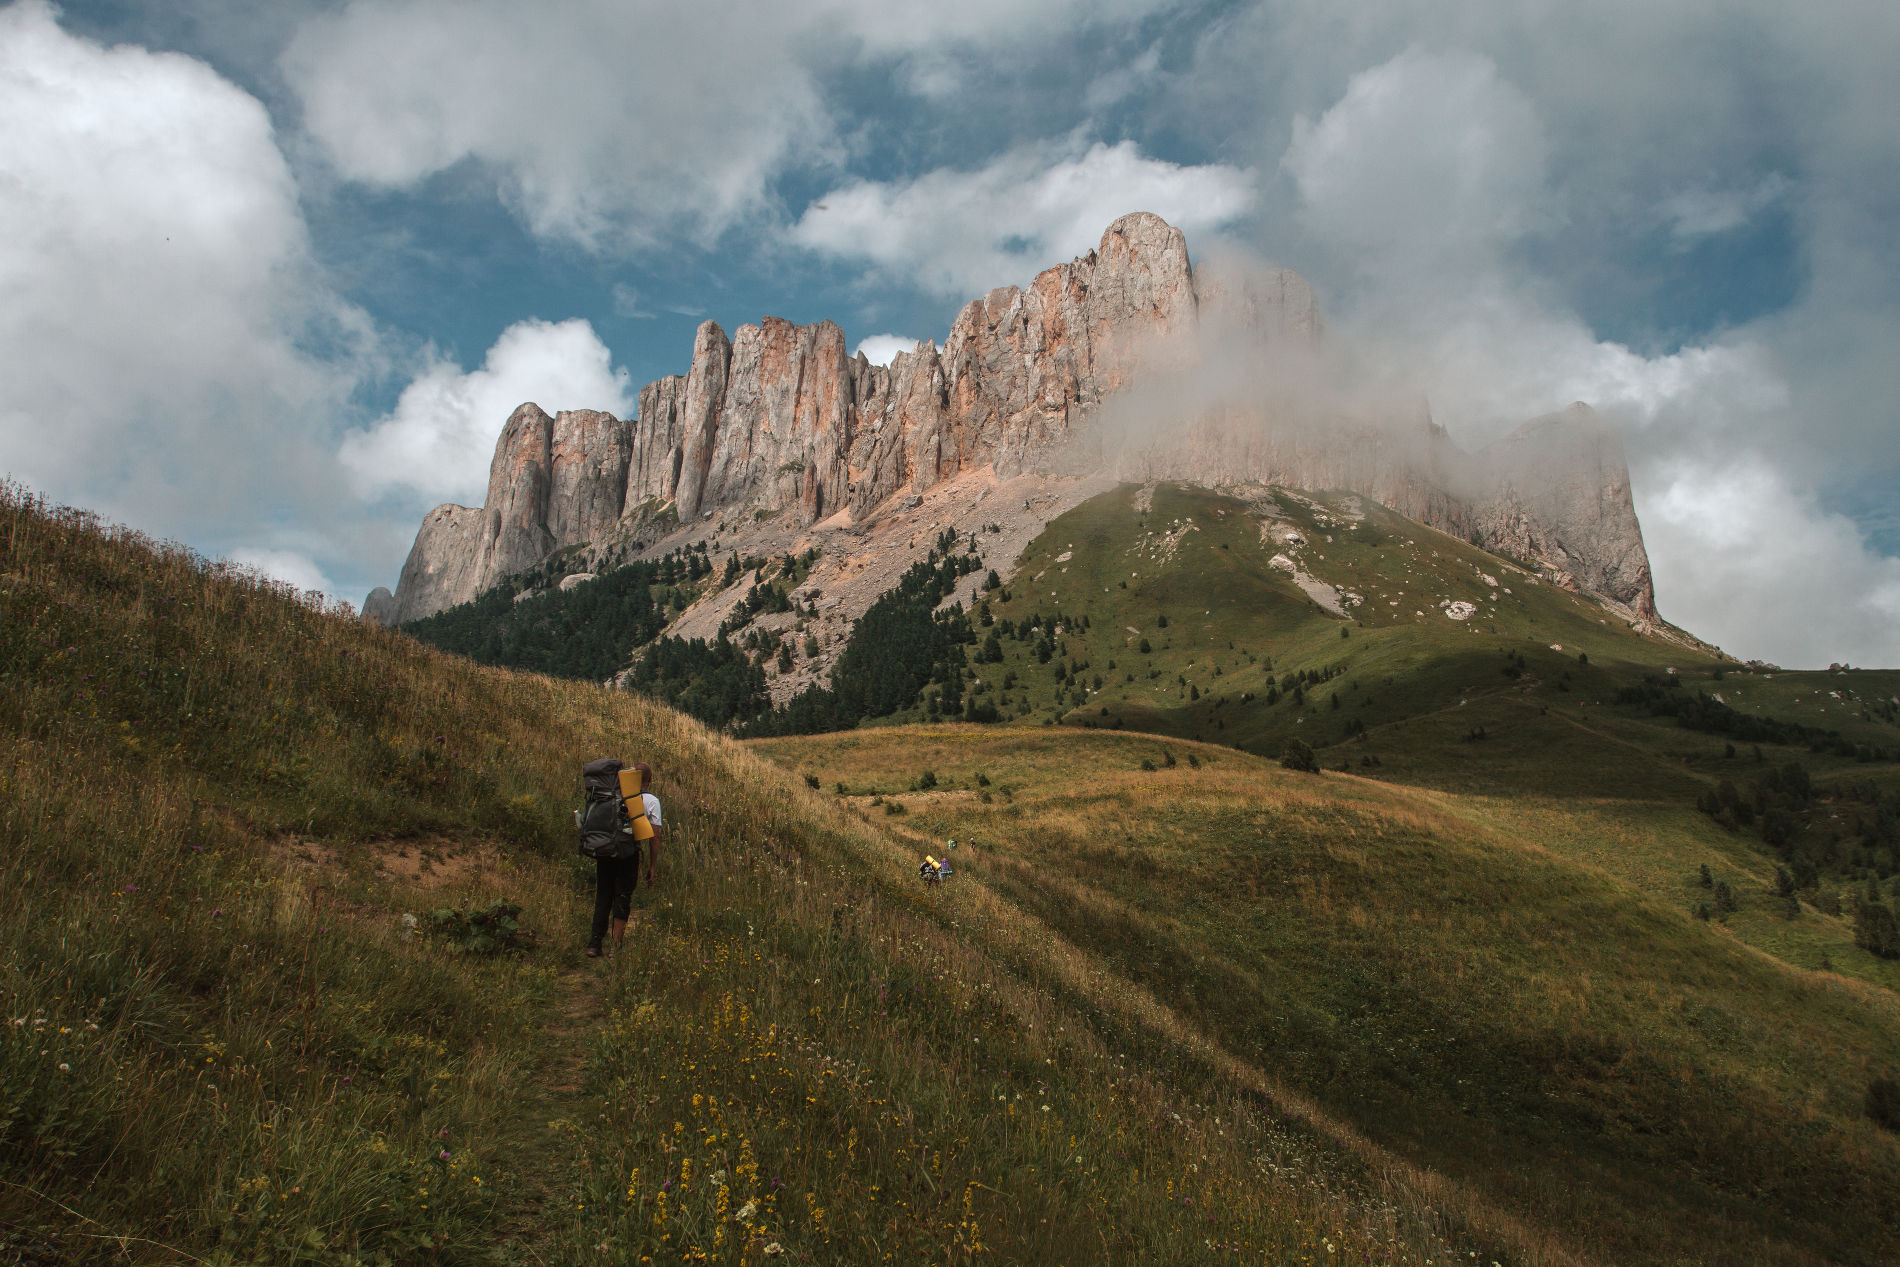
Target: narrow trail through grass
[
  {"x": 580, "y": 1004},
  {"x": 532, "y": 1186}
]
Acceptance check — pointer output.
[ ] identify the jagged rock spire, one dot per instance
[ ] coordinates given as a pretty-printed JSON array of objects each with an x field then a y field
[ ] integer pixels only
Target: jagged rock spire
[{"x": 780, "y": 420}]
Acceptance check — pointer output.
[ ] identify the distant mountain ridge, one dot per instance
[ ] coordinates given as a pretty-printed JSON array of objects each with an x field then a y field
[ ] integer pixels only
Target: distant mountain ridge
[{"x": 779, "y": 421}]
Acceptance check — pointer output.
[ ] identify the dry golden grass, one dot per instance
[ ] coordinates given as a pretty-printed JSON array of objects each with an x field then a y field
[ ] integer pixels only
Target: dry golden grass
[
  {"x": 1515, "y": 1027},
  {"x": 222, "y": 1044}
]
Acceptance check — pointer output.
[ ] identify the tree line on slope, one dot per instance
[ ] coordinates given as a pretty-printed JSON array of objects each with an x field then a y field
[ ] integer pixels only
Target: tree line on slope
[
  {"x": 612, "y": 625},
  {"x": 587, "y": 632},
  {"x": 898, "y": 648},
  {"x": 1665, "y": 697}
]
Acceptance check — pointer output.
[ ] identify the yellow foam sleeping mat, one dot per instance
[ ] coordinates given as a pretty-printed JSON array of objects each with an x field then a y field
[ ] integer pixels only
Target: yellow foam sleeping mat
[{"x": 636, "y": 807}]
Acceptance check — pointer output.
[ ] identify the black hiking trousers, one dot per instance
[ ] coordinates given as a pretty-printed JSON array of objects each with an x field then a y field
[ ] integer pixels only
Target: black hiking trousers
[{"x": 614, "y": 882}]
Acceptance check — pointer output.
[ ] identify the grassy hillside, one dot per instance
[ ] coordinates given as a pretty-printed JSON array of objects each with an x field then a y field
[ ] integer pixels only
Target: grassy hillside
[
  {"x": 1203, "y": 1012},
  {"x": 220, "y": 1041},
  {"x": 1186, "y": 612},
  {"x": 1511, "y": 993},
  {"x": 1190, "y": 573}
]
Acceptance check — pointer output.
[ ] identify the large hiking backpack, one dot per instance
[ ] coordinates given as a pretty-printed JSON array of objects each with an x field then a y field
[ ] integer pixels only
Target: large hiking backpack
[{"x": 605, "y": 829}]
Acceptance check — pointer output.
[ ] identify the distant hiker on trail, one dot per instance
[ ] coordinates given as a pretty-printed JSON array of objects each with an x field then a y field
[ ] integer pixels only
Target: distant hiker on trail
[{"x": 619, "y": 821}]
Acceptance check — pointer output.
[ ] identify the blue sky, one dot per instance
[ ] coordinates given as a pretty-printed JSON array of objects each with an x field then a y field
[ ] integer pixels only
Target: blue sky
[{"x": 277, "y": 277}]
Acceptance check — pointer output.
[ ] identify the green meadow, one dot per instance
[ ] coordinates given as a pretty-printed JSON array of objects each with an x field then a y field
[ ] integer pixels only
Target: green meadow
[
  {"x": 292, "y": 970},
  {"x": 222, "y": 1042},
  {"x": 1503, "y": 937},
  {"x": 1508, "y": 995}
]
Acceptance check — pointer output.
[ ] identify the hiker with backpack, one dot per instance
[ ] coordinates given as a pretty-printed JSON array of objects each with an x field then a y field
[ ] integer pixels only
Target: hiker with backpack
[{"x": 618, "y": 821}]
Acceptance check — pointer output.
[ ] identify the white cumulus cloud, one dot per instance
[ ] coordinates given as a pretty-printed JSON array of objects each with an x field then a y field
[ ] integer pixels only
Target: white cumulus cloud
[
  {"x": 1426, "y": 158},
  {"x": 1699, "y": 213},
  {"x": 159, "y": 290},
  {"x": 1420, "y": 187},
  {"x": 882, "y": 349},
  {"x": 611, "y": 126},
  {"x": 958, "y": 233},
  {"x": 618, "y": 124},
  {"x": 439, "y": 438},
  {"x": 1718, "y": 180},
  {"x": 1766, "y": 571}
]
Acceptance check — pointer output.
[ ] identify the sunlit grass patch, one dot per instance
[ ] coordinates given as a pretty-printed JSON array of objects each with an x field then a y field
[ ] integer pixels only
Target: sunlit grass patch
[
  {"x": 220, "y": 1039},
  {"x": 1509, "y": 993}
]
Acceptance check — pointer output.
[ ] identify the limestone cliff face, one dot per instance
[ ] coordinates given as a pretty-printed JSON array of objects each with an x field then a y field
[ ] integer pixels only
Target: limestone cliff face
[
  {"x": 784, "y": 432},
  {"x": 1558, "y": 490},
  {"x": 444, "y": 565},
  {"x": 553, "y": 482},
  {"x": 1024, "y": 369},
  {"x": 653, "y": 472},
  {"x": 701, "y": 401},
  {"x": 380, "y": 607},
  {"x": 780, "y": 419},
  {"x": 516, "y": 519},
  {"x": 904, "y": 427},
  {"x": 588, "y": 456}
]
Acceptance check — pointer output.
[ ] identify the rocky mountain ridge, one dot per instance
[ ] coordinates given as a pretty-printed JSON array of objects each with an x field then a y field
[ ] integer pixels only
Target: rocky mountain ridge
[{"x": 779, "y": 427}]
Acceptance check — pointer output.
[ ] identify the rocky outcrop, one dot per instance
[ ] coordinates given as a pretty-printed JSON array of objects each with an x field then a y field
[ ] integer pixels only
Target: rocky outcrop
[
  {"x": 653, "y": 472},
  {"x": 700, "y": 405},
  {"x": 1557, "y": 490},
  {"x": 779, "y": 420},
  {"x": 900, "y": 441},
  {"x": 588, "y": 456},
  {"x": 380, "y": 607},
  {"x": 444, "y": 565},
  {"x": 516, "y": 529},
  {"x": 553, "y": 482},
  {"x": 784, "y": 432}
]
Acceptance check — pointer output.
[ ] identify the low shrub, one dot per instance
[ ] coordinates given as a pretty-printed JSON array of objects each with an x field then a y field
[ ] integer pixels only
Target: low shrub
[
  {"x": 1883, "y": 1103},
  {"x": 1298, "y": 755},
  {"x": 490, "y": 930}
]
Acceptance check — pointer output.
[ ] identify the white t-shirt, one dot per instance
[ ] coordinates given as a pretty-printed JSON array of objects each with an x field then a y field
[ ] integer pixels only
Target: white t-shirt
[{"x": 652, "y": 804}]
